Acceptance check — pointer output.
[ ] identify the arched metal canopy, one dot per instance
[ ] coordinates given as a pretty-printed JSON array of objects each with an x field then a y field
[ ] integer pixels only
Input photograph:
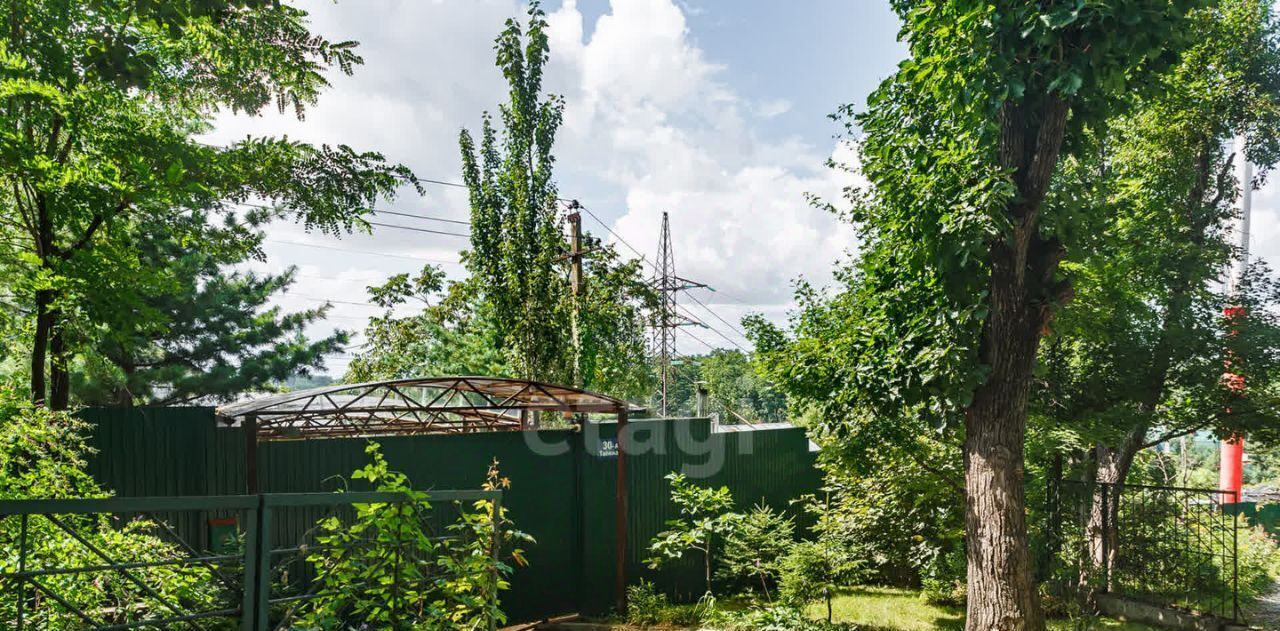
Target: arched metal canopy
[{"x": 432, "y": 405}]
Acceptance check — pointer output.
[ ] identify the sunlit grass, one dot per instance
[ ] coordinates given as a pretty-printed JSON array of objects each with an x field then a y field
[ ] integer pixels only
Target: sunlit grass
[{"x": 886, "y": 609}]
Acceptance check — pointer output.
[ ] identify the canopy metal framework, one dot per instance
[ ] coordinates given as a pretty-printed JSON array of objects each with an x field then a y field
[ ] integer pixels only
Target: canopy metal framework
[
  {"x": 429, "y": 405},
  {"x": 435, "y": 405}
]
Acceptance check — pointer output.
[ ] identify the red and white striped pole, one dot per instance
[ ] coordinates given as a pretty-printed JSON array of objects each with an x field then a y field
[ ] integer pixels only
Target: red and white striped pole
[{"x": 1231, "y": 472}]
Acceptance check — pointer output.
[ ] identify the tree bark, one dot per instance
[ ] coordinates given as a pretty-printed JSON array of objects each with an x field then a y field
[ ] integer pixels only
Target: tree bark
[
  {"x": 40, "y": 346},
  {"x": 1022, "y": 293},
  {"x": 59, "y": 371},
  {"x": 1002, "y": 595},
  {"x": 1112, "y": 467}
]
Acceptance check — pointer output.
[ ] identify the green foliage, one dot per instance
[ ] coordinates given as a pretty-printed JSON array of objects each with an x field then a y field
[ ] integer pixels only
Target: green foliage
[
  {"x": 1139, "y": 356},
  {"x": 645, "y": 604},
  {"x": 834, "y": 556},
  {"x": 515, "y": 234},
  {"x": 774, "y": 618},
  {"x": 204, "y": 332},
  {"x": 1258, "y": 562},
  {"x": 899, "y": 509},
  {"x": 101, "y": 103},
  {"x": 513, "y": 316},
  {"x": 42, "y": 456},
  {"x": 734, "y": 387},
  {"x": 453, "y": 335},
  {"x": 706, "y": 519},
  {"x": 814, "y": 570},
  {"x": 754, "y": 550},
  {"x": 389, "y": 568},
  {"x": 42, "y": 453},
  {"x": 943, "y": 580}
]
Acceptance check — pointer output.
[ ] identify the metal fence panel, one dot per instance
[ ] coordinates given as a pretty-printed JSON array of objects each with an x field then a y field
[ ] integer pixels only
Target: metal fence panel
[
  {"x": 256, "y": 587},
  {"x": 562, "y": 489},
  {"x": 1169, "y": 546}
]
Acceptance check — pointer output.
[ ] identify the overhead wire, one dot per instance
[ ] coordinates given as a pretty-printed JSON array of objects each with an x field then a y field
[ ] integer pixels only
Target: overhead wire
[{"x": 369, "y": 252}]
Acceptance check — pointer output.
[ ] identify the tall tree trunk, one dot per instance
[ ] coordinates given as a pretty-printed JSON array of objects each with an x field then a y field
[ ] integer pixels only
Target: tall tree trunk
[
  {"x": 1022, "y": 293},
  {"x": 40, "y": 346},
  {"x": 1103, "y": 534},
  {"x": 1002, "y": 594},
  {"x": 59, "y": 371},
  {"x": 1115, "y": 461}
]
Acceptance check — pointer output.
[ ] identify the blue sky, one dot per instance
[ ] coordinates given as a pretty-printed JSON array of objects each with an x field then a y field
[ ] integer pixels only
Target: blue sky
[{"x": 713, "y": 111}]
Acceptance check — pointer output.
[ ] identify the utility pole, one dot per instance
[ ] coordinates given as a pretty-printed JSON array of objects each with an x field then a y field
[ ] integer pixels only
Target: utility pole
[
  {"x": 577, "y": 285},
  {"x": 667, "y": 284}
]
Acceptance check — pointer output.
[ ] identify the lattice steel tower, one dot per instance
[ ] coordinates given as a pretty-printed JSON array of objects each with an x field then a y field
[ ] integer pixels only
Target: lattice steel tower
[{"x": 668, "y": 317}]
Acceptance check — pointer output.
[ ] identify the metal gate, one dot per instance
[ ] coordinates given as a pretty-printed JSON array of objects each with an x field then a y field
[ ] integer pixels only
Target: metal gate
[
  {"x": 1169, "y": 546},
  {"x": 224, "y": 562}
]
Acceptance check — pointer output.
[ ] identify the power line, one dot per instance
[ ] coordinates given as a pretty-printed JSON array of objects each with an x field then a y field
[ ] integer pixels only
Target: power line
[
  {"x": 371, "y": 253},
  {"x": 427, "y": 217},
  {"x": 646, "y": 260},
  {"x": 376, "y": 211},
  {"x": 717, "y": 316},
  {"x": 426, "y": 230},
  {"x": 712, "y": 329},
  {"x": 336, "y": 302},
  {"x": 617, "y": 236}
]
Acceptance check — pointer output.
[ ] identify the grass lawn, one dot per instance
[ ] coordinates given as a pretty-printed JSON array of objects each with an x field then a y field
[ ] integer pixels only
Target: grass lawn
[{"x": 885, "y": 609}]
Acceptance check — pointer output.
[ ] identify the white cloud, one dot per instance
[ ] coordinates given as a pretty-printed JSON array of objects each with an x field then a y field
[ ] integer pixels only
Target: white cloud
[
  {"x": 655, "y": 113},
  {"x": 650, "y": 123}
]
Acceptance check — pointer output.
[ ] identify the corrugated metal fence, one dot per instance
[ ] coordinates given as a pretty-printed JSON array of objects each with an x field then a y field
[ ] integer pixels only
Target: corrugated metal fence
[{"x": 562, "y": 484}]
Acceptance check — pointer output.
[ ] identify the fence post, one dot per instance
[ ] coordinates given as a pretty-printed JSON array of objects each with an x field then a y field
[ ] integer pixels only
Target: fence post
[
  {"x": 1235, "y": 559},
  {"x": 1106, "y": 540},
  {"x": 250, "y": 565},
  {"x": 262, "y": 576},
  {"x": 22, "y": 567}
]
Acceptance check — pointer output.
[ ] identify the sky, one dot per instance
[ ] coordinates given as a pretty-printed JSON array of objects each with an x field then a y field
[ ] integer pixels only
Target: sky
[{"x": 714, "y": 111}]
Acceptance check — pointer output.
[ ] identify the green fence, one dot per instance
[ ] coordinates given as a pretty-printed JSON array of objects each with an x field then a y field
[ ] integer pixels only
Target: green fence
[
  {"x": 1266, "y": 515},
  {"x": 117, "y": 563},
  {"x": 562, "y": 484}
]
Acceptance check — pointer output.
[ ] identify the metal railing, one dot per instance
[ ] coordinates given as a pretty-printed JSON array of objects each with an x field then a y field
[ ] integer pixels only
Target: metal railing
[
  {"x": 1170, "y": 546},
  {"x": 220, "y": 562}
]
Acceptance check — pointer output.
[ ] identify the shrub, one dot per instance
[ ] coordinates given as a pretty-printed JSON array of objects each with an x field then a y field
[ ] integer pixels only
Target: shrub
[
  {"x": 43, "y": 456},
  {"x": 774, "y": 618},
  {"x": 645, "y": 604},
  {"x": 753, "y": 552},
  {"x": 388, "y": 569},
  {"x": 813, "y": 570},
  {"x": 706, "y": 518},
  {"x": 1258, "y": 559},
  {"x": 943, "y": 581}
]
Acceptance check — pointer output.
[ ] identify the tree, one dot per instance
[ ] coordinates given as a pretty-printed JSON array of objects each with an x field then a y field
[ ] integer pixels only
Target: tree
[
  {"x": 706, "y": 519},
  {"x": 753, "y": 552},
  {"x": 176, "y": 327},
  {"x": 735, "y": 388},
  {"x": 100, "y": 102},
  {"x": 451, "y": 335},
  {"x": 516, "y": 237},
  {"x": 512, "y": 316},
  {"x": 1139, "y": 358},
  {"x": 941, "y": 314}
]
